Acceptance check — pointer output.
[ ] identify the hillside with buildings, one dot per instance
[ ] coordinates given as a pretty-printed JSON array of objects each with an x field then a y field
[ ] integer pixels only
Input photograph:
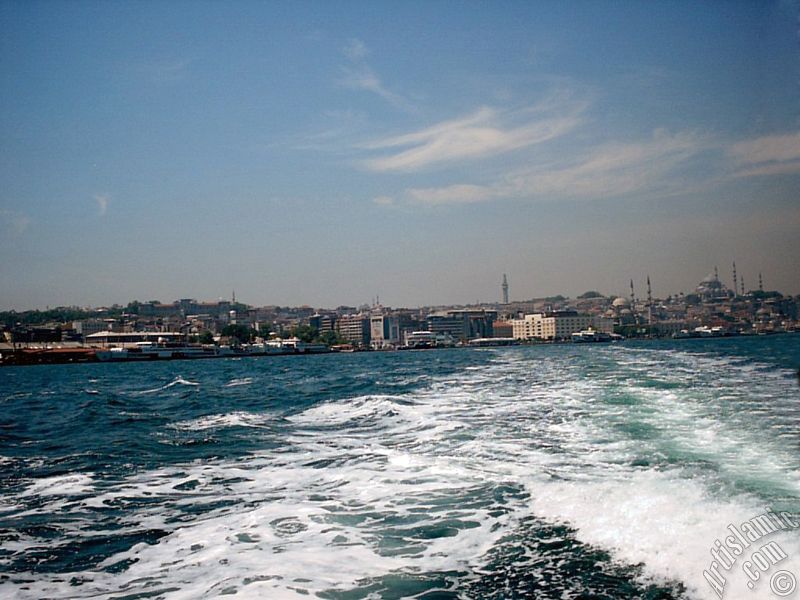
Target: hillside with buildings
[{"x": 711, "y": 308}]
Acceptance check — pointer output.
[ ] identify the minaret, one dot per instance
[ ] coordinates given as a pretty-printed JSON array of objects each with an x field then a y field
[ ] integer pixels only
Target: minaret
[
  {"x": 649, "y": 302},
  {"x": 734, "y": 278},
  {"x": 741, "y": 283},
  {"x": 760, "y": 282},
  {"x": 505, "y": 289},
  {"x": 233, "y": 297},
  {"x": 716, "y": 274},
  {"x": 633, "y": 305}
]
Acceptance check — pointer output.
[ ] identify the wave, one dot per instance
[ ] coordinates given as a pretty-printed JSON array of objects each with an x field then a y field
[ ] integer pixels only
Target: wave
[
  {"x": 217, "y": 421},
  {"x": 347, "y": 494},
  {"x": 177, "y": 381},
  {"x": 73, "y": 484}
]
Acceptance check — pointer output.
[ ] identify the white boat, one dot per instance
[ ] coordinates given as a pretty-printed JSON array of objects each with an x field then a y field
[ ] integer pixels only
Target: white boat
[
  {"x": 590, "y": 335},
  {"x": 155, "y": 351}
]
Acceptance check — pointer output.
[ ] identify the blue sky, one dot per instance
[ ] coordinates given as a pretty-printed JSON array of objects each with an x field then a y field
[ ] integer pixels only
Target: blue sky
[{"x": 326, "y": 153}]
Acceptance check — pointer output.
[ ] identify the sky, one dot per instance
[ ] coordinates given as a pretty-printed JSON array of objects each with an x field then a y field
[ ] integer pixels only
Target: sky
[{"x": 329, "y": 153}]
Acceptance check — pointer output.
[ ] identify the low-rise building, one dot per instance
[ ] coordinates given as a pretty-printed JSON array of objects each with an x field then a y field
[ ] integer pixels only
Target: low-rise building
[
  {"x": 463, "y": 324},
  {"x": 503, "y": 329},
  {"x": 558, "y": 325}
]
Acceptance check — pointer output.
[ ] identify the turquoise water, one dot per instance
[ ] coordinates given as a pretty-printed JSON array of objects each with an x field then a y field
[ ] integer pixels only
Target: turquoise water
[{"x": 525, "y": 472}]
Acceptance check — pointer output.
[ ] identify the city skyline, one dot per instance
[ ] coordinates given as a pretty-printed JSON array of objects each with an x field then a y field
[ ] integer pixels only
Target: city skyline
[
  {"x": 325, "y": 155},
  {"x": 642, "y": 293}
]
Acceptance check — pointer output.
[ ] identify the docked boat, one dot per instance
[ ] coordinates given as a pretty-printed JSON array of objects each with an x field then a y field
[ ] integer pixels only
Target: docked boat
[
  {"x": 590, "y": 335},
  {"x": 704, "y": 331},
  {"x": 418, "y": 340},
  {"x": 490, "y": 342},
  {"x": 155, "y": 351}
]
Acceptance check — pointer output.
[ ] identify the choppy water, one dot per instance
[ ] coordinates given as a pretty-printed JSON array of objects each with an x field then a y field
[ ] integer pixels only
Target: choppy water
[{"x": 592, "y": 471}]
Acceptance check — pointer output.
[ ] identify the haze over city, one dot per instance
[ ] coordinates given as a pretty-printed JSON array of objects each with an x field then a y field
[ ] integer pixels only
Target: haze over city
[{"x": 328, "y": 153}]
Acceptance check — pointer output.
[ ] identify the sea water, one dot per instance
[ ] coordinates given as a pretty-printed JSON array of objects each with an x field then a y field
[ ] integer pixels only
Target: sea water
[{"x": 552, "y": 471}]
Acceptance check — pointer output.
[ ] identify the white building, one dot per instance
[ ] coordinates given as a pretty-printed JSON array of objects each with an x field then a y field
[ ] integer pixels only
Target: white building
[
  {"x": 87, "y": 327},
  {"x": 384, "y": 331},
  {"x": 557, "y": 325}
]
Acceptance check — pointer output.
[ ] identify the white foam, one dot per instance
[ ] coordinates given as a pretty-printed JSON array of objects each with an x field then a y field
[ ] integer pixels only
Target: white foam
[
  {"x": 666, "y": 523},
  {"x": 61, "y": 485},
  {"x": 357, "y": 477},
  {"x": 218, "y": 421},
  {"x": 177, "y": 381}
]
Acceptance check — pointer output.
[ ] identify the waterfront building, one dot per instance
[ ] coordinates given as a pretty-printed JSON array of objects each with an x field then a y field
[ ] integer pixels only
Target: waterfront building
[
  {"x": 355, "y": 329},
  {"x": 503, "y": 329},
  {"x": 322, "y": 322},
  {"x": 463, "y": 324},
  {"x": 526, "y": 328},
  {"x": 87, "y": 327},
  {"x": 384, "y": 331},
  {"x": 603, "y": 324},
  {"x": 556, "y": 325},
  {"x": 668, "y": 328}
]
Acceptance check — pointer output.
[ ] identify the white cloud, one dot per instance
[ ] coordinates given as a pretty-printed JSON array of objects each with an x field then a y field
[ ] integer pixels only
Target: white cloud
[
  {"x": 610, "y": 170},
  {"x": 455, "y": 194},
  {"x": 774, "y": 168},
  {"x": 768, "y": 155},
  {"x": 484, "y": 133},
  {"x": 383, "y": 200},
  {"x": 14, "y": 223},
  {"x": 355, "y": 50},
  {"x": 102, "y": 203},
  {"x": 359, "y": 76}
]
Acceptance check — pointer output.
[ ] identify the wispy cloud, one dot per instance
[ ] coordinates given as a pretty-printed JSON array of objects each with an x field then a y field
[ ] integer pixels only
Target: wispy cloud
[
  {"x": 768, "y": 155},
  {"x": 355, "y": 50},
  {"x": 358, "y": 75},
  {"x": 13, "y": 222},
  {"x": 383, "y": 200},
  {"x": 102, "y": 203},
  {"x": 485, "y": 133},
  {"x": 613, "y": 169}
]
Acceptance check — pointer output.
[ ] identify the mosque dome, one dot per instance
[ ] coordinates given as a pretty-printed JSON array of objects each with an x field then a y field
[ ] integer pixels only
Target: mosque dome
[
  {"x": 710, "y": 278},
  {"x": 620, "y": 303},
  {"x": 711, "y": 287}
]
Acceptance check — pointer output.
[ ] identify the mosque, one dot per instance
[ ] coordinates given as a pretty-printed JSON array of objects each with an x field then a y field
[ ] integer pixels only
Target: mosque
[{"x": 711, "y": 288}]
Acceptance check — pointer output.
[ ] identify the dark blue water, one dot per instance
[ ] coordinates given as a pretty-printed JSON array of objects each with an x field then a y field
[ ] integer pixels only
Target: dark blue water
[{"x": 527, "y": 472}]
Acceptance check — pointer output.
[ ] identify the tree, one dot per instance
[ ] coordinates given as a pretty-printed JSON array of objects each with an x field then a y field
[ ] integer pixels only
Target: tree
[
  {"x": 331, "y": 338},
  {"x": 206, "y": 337},
  {"x": 305, "y": 333},
  {"x": 240, "y": 332},
  {"x": 590, "y": 294}
]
